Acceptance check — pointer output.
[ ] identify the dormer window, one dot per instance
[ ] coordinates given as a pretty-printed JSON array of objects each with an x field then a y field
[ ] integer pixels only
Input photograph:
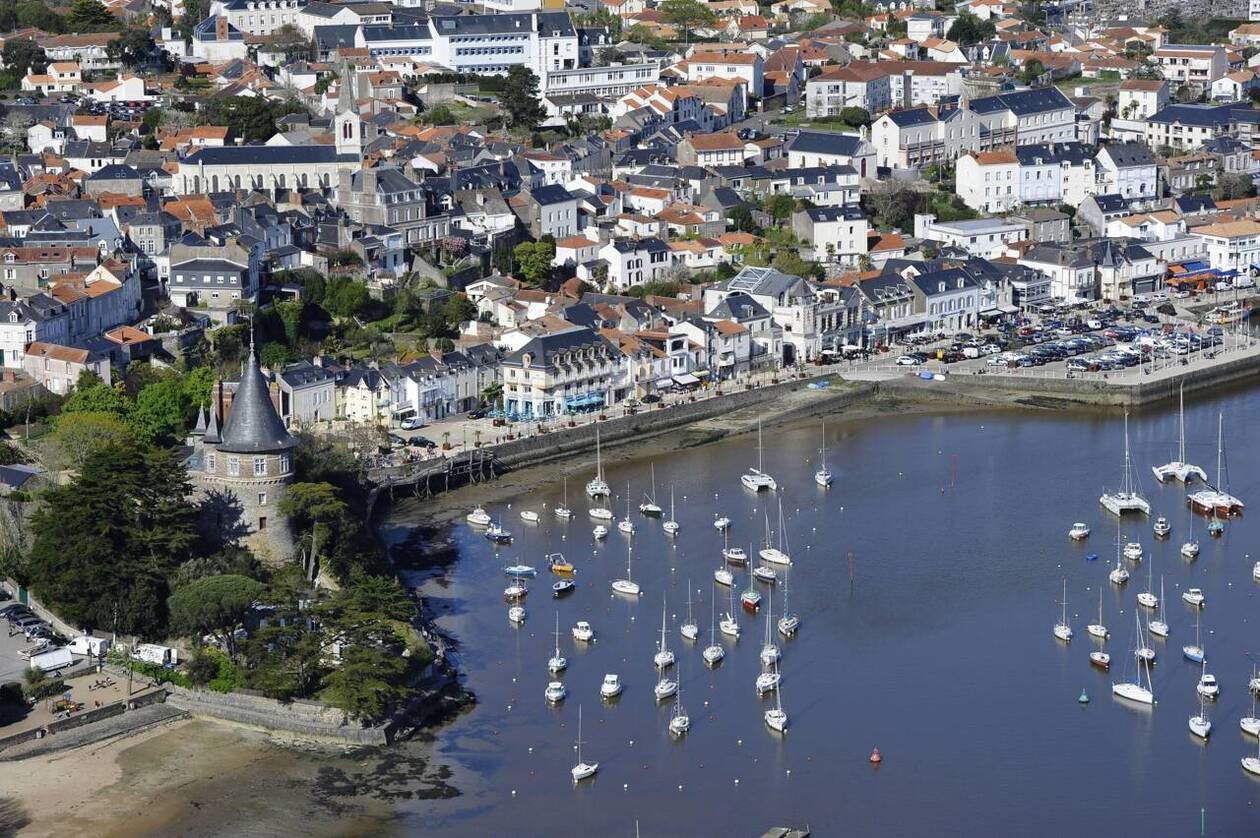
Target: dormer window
[
  {"x": 13, "y": 317},
  {"x": 10, "y": 258}
]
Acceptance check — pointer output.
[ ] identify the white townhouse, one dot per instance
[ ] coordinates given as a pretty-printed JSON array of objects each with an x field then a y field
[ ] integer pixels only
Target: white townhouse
[
  {"x": 1195, "y": 65},
  {"x": 636, "y": 261},
  {"x": 1128, "y": 170},
  {"x": 984, "y": 237},
  {"x": 1022, "y": 117},
  {"x": 1231, "y": 245},
  {"x": 258, "y": 17},
  {"x": 836, "y": 234},
  {"x": 988, "y": 181},
  {"x": 860, "y": 84}
]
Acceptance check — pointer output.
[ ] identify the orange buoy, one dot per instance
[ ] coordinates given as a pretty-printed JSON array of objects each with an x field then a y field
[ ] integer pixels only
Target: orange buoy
[{"x": 876, "y": 759}]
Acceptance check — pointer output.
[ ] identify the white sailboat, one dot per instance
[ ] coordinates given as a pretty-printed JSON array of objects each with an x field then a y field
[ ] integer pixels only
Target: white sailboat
[
  {"x": 1119, "y": 574},
  {"x": 1061, "y": 629},
  {"x": 770, "y": 652},
  {"x": 721, "y": 523},
  {"x": 773, "y": 554},
  {"x": 555, "y": 692},
  {"x": 823, "y": 476},
  {"x": 679, "y": 722},
  {"x": 665, "y": 688},
  {"x": 689, "y": 630},
  {"x": 597, "y": 487},
  {"x": 562, "y": 511},
  {"x": 625, "y": 525},
  {"x": 1127, "y": 498},
  {"x": 557, "y": 662},
  {"x": 664, "y": 658},
  {"x": 1159, "y": 628},
  {"x": 1098, "y": 629},
  {"x": 729, "y": 625},
  {"x": 583, "y": 769},
  {"x": 723, "y": 575},
  {"x": 1133, "y": 690},
  {"x": 1251, "y": 724},
  {"x": 1200, "y": 725},
  {"x": 1194, "y": 651},
  {"x": 768, "y": 681},
  {"x": 776, "y": 718},
  {"x": 788, "y": 622},
  {"x": 1190, "y": 549},
  {"x": 756, "y": 479},
  {"x": 1179, "y": 469},
  {"x": 627, "y": 586},
  {"x": 1147, "y": 598},
  {"x": 671, "y": 526},
  {"x": 649, "y": 506},
  {"x": 1216, "y": 500},
  {"x": 714, "y": 652},
  {"x": 1252, "y": 764}
]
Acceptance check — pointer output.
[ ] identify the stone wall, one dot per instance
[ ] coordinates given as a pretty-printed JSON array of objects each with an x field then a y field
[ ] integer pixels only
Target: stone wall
[
  {"x": 86, "y": 717},
  {"x": 304, "y": 719},
  {"x": 60, "y": 626}
]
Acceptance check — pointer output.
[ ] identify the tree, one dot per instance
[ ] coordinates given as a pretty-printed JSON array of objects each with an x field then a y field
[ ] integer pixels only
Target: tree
[
  {"x": 1032, "y": 71},
  {"x": 688, "y": 14},
  {"x": 292, "y": 42},
  {"x": 159, "y": 413},
  {"x": 90, "y": 16},
  {"x": 520, "y": 98},
  {"x": 215, "y": 605},
  {"x": 249, "y": 117},
  {"x": 969, "y": 29},
  {"x": 285, "y": 658},
  {"x": 106, "y": 543},
  {"x": 779, "y": 207},
  {"x": 1233, "y": 186},
  {"x": 91, "y": 395},
  {"x": 345, "y": 297},
  {"x": 274, "y": 355},
  {"x": 459, "y": 309},
  {"x": 440, "y": 115},
  {"x": 534, "y": 261},
  {"x": 367, "y": 682},
  {"x": 79, "y": 435},
  {"x": 789, "y": 262},
  {"x": 894, "y": 204},
  {"x": 314, "y": 508},
  {"x": 131, "y": 47},
  {"x": 857, "y": 117},
  {"x": 22, "y": 55}
]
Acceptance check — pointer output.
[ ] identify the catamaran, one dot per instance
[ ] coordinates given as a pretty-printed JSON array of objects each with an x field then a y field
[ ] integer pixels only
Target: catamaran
[
  {"x": 756, "y": 479},
  {"x": 671, "y": 526},
  {"x": 823, "y": 476},
  {"x": 649, "y": 507},
  {"x": 583, "y": 769},
  {"x": 597, "y": 488},
  {"x": 627, "y": 586},
  {"x": 1216, "y": 500},
  {"x": 1126, "y": 498},
  {"x": 1134, "y": 691},
  {"x": 1061, "y": 629},
  {"x": 1179, "y": 469},
  {"x": 664, "y": 658},
  {"x": 771, "y": 553}
]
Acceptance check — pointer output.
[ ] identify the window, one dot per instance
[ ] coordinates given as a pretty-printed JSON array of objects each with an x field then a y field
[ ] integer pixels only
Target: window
[
  {"x": 234, "y": 466},
  {"x": 209, "y": 462},
  {"x": 262, "y": 498},
  {"x": 260, "y": 466}
]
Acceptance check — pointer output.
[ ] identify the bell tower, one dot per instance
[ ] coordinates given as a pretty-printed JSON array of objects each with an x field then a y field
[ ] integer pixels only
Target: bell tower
[{"x": 347, "y": 124}]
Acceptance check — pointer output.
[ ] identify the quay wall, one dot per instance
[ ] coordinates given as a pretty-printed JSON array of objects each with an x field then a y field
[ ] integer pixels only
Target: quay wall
[
  {"x": 86, "y": 717},
  {"x": 555, "y": 444},
  {"x": 303, "y": 719}
]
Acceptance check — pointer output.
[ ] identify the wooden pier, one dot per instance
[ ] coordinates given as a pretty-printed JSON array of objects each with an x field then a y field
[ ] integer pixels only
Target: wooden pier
[{"x": 425, "y": 478}]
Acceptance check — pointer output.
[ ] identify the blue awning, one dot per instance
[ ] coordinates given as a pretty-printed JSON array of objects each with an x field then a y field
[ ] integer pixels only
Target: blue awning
[{"x": 1195, "y": 266}]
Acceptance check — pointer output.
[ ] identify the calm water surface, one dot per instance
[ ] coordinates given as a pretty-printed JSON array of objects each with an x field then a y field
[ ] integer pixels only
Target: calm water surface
[{"x": 933, "y": 643}]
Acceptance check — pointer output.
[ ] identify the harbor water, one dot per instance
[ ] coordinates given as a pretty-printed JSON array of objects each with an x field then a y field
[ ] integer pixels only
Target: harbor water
[{"x": 927, "y": 579}]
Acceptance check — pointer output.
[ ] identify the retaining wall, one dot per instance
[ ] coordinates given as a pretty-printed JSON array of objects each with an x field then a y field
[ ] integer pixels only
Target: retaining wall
[
  {"x": 109, "y": 711},
  {"x": 306, "y": 719}
]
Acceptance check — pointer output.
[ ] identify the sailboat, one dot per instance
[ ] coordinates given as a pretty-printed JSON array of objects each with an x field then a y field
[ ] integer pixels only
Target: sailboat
[
  {"x": 627, "y": 586},
  {"x": 1190, "y": 549},
  {"x": 1144, "y": 653},
  {"x": 1251, "y": 724},
  {"x": 776, "y": 719},
  {"x": 649, "y": 507},
  {"x": 597, "y": 488},
  {"x": 557, "y": 662},
  {"x": 1179, "y": 469},
  {"x": 679, "y": 722},
  {"x": 779, "y": 554},
  {"x": 751, "y": 597},
  {"x": 583, "y": 769},
  {"x": 625, "y": 525},
  {"x": 769, "y": 649},
  {"x": 671, "y": 526},
  {"x": 1098, "y": 629},
  {"x": 789, "y": 622},
  {"x": 1252, "y": 764},
  {"x": 768, "y": 681},
  {"x": 755, "y": 478},
  {"x": 665, "y": 687},
  {"x": 689, "y": 629},
  {"x": 1147, "y": 598},
  {"x": 664, "y": 658},
  {"x": 1061, "y": 629},
  {"x": 823, "y": 476},
  {"x": 713, "y": 653},
  {"x": 1126, "y": 498},
  {"x": 1216, "y": 500},
  {"x": 1134, "y": 691},
  {"x": 1200, "y": 725},
  {"x": 562, "y": 511},
  {"x": 1159, "y": 628},
  {"x": 729, "y": 625},
  {"x": 1119, "y": 574},
  {"x": 1194, "y": 651}
]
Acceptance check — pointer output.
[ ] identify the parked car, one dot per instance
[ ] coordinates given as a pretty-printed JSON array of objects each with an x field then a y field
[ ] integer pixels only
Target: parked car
[
  {"x": 908, "y": 361},
  {"x": 411, "y": 423}
]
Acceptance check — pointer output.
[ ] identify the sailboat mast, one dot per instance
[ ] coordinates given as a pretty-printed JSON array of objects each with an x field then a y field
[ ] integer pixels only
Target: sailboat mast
[
  {"x": 1181, "y": 421},
  {"x": 1220, "y": 445}
]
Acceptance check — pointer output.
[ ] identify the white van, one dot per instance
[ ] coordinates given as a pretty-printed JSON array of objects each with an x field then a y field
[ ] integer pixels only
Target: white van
[
  {"x": 153, "y": 653},
  {"x": 52, "y": 661},
  {"x": 88, "y": 645}
]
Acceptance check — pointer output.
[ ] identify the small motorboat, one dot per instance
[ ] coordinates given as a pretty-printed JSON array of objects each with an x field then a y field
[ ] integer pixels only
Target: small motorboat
[
  {"x": 1079, "y": 531},
  {"x": 520, "y": 570},
  {"x": 516, "y": 590},
  {"x": 1133, "y": 551},
  {"x": 516, "y": 614},
  {"x": 583, "y": 632},
  {"x": 560, "y": 565},
  {"x": 1208, "y": 687},
  {"x": 722, "y": 523},
  {"x": 1091, "y": 557},
  {"x": 564, "y": 586},
  {"x": 1215, "y": 528},
  {"x": 611, "y": 688},
  {"x": 767, "y": 682},
  {"x": 765, "y": 574},
  {"x": 600, "y": 513},
  {"x": 751, "y": 599},
  {"x": 529, "y": 516},
  {"x": 1194, "y": 597},
  {"x": 735, "y": 555},
  {"x": 497, "y": 534},
  {"x": 723, "y": 577},
  {"x": 555, "y": 692},
  {"x": 1190, "y": 550},
  {"x": 1102, "y": 660},
  {"x": 1162, "y": 527},
  {"x": 600, "y": 532},
  {"x": 479, "y": 517},
  {"x": 665, "y": 688}
]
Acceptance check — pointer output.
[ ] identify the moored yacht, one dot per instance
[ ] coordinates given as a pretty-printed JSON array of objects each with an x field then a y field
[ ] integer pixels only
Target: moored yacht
[
  {"x": 1127, "y": 498},
  {"x": 597, "y": 488},
  {"x": 1079, "y": 531},
  {"x": 755, "y": 478},
  {"x": 479, "y": 517},
  {"x": 1179, "y": 469},
  {"x": 1162, "y": 528},
  {"x": 1216, "y": 500}
]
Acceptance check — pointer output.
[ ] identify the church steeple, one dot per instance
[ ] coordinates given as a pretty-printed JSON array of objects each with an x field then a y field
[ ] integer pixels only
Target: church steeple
[{"x": 347, "y": 124}]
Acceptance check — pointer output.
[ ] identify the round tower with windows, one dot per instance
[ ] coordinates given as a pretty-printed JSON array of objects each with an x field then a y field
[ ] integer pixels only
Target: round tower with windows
[{"x": 246, "y": 468}]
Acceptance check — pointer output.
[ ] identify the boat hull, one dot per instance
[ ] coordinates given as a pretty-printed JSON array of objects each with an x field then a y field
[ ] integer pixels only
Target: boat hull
[{"x": 1133, "y": 692}]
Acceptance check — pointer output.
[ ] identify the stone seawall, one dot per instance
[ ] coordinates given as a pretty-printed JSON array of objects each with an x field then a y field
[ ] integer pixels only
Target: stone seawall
[
  {"x": 86, "y": 717},
  {"x": 302, "y": 719},
  {"x": 539, "y": 449}
]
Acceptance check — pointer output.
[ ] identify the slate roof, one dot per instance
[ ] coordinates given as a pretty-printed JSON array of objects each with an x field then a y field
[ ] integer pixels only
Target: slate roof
[
  {"x": 1022, "y": 102},
  {"x": 269, "y": 155},
  {"x": 825, "y": 142},
  {"x": 253, "y": 426}
]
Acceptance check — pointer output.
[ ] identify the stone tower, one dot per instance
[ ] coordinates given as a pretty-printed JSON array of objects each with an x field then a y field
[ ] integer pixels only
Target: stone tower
[{"x": 246, "y": 468}]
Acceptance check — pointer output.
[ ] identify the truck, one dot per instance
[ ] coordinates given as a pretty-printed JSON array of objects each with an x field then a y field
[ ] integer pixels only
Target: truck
[
  {"x": 88, "y": 645},
  {"x": 52, "y": 660},
  {"x": 153, "y": 653}
]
